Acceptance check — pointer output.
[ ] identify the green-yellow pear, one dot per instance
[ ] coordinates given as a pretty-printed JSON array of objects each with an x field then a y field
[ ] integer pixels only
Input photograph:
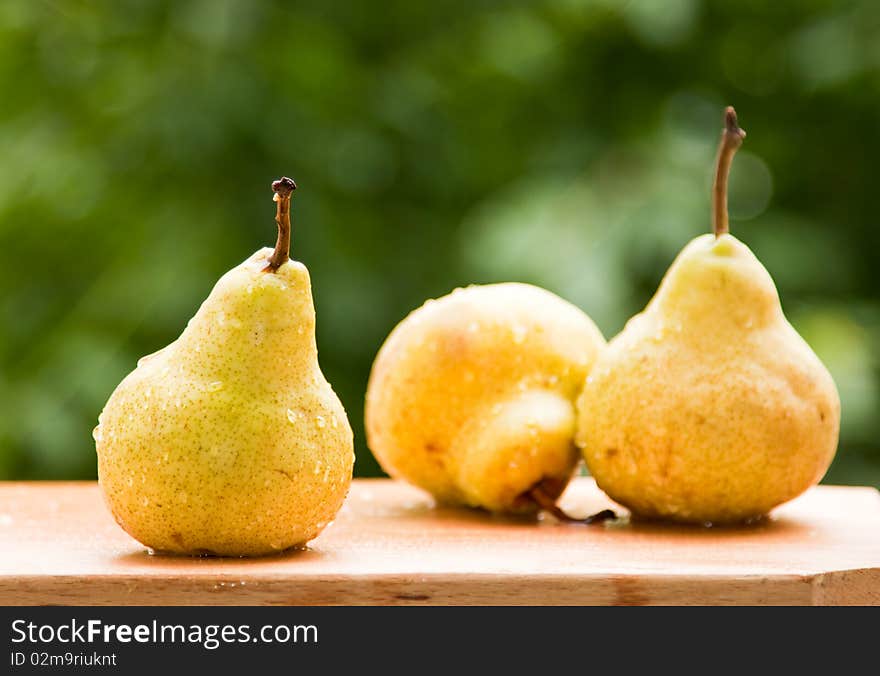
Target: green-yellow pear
[
  {"x": 708, "y": 406},
  {"x": 472, "y": 396},
  {"x": 229, "y": 441}
]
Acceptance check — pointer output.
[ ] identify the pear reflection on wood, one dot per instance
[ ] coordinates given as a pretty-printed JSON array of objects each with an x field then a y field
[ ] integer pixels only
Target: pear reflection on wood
[
  {"x": 709, "y": 407},
  {"x": 230, "y": 441}
]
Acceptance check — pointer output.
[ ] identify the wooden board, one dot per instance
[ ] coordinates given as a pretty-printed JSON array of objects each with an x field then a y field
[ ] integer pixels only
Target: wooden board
[{"x": 389, "y": 545}]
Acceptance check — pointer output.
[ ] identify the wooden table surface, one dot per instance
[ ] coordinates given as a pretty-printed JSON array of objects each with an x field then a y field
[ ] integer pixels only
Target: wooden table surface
[{"x": 390, "y": 545}]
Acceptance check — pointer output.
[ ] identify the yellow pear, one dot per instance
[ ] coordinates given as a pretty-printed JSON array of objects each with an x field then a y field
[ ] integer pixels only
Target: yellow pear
[
  {"x": 229, "y": 441},
  {"x": 708, "y": 406},
  {"x": 472, "y": 396}
]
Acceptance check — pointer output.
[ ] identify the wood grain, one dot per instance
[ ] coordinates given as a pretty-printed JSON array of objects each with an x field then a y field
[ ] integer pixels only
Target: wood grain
[{"x": 390, "y": 545}]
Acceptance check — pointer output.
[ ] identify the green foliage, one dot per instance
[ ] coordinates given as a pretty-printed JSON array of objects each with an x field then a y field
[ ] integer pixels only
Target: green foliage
[{"x": 566, "y": 143}]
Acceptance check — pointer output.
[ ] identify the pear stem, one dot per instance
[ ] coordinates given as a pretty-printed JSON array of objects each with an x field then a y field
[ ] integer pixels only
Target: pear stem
[
  {"x": 548, "y": 504},
  {"x": 283, "y": 188},
  {"x": 731, "y": 139}
]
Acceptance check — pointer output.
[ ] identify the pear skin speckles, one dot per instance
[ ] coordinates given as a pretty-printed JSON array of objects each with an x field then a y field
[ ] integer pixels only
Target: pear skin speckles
[
  {"x": 204, "y": 448},
  {"x": 716, "y": 420}
]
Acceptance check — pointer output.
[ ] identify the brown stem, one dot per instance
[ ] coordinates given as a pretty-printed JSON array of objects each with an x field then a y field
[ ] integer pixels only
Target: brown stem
[
  {"x": 548, "y": 504},
  {"x": 731, "y": 139},
  {"x": 283, "y": 188}
]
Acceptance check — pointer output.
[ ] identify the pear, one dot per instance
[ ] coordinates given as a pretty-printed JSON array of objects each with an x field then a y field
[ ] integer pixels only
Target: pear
[
  {"x": 472, "y": 396},
  {"x": 708, "y": 406},
  {"x": 229, "y": 441}
]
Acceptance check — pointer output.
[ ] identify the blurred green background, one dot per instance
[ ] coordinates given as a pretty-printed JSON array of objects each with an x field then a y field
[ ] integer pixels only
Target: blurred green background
[{"x": 566, "y": 143}]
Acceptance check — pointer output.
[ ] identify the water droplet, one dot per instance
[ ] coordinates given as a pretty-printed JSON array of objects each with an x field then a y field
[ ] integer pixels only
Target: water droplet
[
  {"x": 198, "y": 348},
  {"x": 553, "y": 380},
  {"x": 519, "y": 333},
  {"x": 130, "y": 481},
  {"x": 266, "y": 483},
  {"x": 96, "y": 433},
  {"x": 221, "y": 318},
  {"x": 177, "y": 403},
  {"x": 319, "y": 420},
  {"x": 165, "y": 456},
  {"x": 291, "y": 415},
  {"x": 317, "y": 469},
  {"x": 276, "y": 545},
  {"x": 300, "y": 330},
  {"x": 143, "y": 478},
  {"x": 145, "y": 502},
  {"x": 333, "y": 421},
  {"x": 250, "y": 288},
  {"x": 214, "y": 386},
  {"x": 326, "y": 473}
]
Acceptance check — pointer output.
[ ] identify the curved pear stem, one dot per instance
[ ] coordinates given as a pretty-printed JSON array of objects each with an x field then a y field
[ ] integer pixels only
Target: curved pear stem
[
  {"x": 731, "y": 139},
  {"x": 283, "y": 188},
  {"x": 548, "y": 504}
]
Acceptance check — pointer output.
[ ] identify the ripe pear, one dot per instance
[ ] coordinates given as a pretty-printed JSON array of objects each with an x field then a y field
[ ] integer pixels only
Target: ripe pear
[
  {"x": 708, "y": 406},
  {"x": 472, "y": 396},
  {"x": 230, "y": 441}
]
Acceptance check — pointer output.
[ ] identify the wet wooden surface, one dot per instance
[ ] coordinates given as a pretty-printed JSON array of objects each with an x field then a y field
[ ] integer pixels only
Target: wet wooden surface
[{"x": 390, "y": 545}]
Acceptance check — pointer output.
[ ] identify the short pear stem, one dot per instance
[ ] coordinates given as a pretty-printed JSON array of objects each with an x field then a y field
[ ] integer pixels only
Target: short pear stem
[
  {"x": 548, "y": 504},
  {"x": 283, "y": 188},
  {"x": 731, "y": 139}
]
